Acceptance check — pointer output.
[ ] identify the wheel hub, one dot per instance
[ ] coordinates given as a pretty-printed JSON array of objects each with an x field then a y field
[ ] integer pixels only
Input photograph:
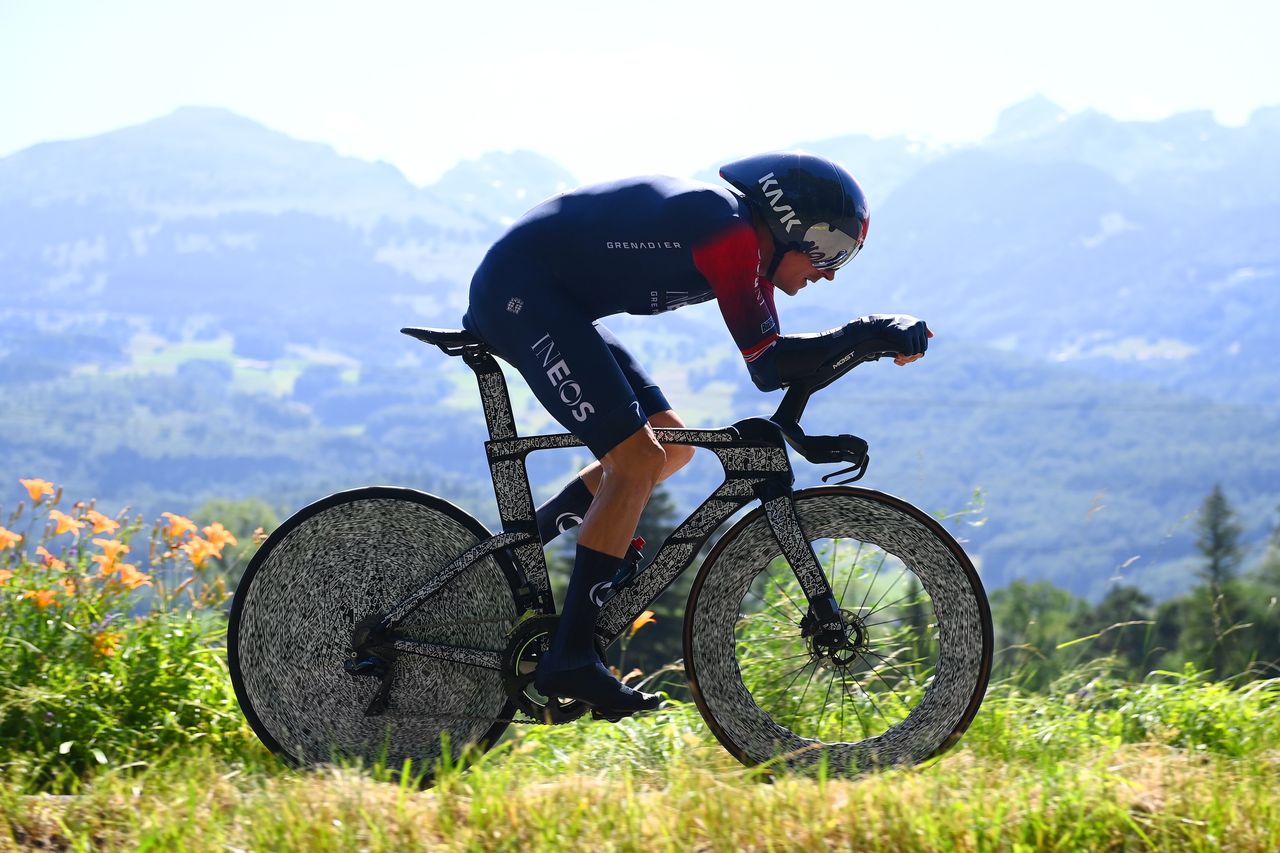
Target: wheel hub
[{"x": 842, "y": 647}]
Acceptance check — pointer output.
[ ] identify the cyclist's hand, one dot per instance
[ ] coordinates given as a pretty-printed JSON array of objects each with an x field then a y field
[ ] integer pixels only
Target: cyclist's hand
[
  {"x": 906, "y": 335},
  {"x": 907, "y": 359}
]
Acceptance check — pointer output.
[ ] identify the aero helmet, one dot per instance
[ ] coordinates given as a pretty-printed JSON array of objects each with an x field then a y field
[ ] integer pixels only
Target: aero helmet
[{"x": 810, "y": 204}]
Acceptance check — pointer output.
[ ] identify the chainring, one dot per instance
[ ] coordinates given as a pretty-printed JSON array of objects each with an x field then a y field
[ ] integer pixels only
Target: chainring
[{"x": 526, "y": 645}]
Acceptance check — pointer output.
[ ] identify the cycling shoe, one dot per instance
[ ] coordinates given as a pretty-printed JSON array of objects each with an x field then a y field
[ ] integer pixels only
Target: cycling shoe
[{"x": 594, "y": 685}]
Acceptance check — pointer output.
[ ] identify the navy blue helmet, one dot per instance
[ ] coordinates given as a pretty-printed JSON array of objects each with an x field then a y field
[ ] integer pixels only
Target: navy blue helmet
[{"x": 810, "y": 204}]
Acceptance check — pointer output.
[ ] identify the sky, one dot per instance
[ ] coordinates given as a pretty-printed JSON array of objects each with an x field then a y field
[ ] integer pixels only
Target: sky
[{"x": 612, "y": 89}]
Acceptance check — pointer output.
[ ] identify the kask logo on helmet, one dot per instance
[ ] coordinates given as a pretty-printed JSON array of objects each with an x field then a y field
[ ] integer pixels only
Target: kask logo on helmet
[{"x": 774, "y": 196}]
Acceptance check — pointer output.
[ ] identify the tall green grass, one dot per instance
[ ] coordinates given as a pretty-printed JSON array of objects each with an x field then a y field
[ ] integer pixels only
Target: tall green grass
[
  {"x": 559, "y": 792},
  {"x": 119, "y": 728}
]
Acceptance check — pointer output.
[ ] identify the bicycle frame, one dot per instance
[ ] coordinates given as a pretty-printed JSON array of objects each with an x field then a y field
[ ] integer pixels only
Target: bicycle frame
[{"x": 754, "y": 456}]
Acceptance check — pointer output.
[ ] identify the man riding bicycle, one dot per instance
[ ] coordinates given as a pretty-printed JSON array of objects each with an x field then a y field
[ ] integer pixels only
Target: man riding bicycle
[{"x": 645, "y": 246}]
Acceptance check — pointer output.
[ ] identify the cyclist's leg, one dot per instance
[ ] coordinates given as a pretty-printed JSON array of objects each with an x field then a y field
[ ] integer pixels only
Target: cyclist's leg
[
  {"x": 657, "y": 410},
  {"x": 571, "y": 371},
  {"x": 678, "y": 456},
  {"x": 569, "y": 506},
  {"x": 571, "y": 667}
]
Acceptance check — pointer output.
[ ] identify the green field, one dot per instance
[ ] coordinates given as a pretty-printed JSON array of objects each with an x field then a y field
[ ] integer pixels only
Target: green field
[
  {"x": 663, "y": 784},
  {"x": 119, "y": 729}
]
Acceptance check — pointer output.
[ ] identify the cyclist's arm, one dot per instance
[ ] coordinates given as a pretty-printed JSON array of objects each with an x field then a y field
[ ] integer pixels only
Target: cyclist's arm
[
  {"x": 793, "y": 357},
  {"x": 729, "y": 260}
]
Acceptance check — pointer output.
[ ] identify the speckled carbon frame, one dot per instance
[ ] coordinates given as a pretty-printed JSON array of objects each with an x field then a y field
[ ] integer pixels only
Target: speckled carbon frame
[{"x": 756, "y": 467}]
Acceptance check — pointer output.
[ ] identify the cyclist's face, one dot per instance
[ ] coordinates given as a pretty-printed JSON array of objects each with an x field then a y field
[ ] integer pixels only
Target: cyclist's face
[{"x": 796, "y": 271}]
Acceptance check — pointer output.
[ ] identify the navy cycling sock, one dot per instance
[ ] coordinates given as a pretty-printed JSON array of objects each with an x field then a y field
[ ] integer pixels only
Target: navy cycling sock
[
  {"x": 574, "y": 643},
  {"x": 564, "y": 511}
]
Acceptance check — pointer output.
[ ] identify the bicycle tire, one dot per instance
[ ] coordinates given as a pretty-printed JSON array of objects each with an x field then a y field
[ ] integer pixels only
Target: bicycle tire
[
  {"x": 333, "y": 563},
  {"x": 763, "y": 717}
]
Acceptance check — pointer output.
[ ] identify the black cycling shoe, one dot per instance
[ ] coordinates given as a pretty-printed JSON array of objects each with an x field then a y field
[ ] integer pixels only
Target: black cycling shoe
[{"x": 594, "y": 685}]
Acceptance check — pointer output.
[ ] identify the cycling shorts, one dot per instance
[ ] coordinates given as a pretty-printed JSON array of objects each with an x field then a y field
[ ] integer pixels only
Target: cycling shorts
[{"x": 575, "y": 367}]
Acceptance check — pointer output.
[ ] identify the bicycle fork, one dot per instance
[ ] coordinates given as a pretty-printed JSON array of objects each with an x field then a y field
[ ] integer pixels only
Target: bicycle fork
[{"x": 823, "y": 621}]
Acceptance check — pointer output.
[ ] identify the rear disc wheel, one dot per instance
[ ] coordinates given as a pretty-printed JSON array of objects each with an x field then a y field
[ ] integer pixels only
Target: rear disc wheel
[{"x": 332, "y": 565}]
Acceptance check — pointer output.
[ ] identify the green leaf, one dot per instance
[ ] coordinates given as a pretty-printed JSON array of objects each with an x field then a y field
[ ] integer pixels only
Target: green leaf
[{"x": 100, "y": 756}]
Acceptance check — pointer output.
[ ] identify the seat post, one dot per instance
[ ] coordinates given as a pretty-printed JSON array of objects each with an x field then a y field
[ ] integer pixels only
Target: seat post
[{"x": 493, "y": 392}]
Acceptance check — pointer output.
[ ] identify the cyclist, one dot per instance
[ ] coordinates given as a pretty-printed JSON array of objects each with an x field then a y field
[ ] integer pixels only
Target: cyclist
[{"x": 645, "y": 246}]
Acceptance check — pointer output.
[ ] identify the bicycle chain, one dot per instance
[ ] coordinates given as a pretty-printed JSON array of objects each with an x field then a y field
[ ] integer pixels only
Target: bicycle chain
[{"x": 524, "y": 630}]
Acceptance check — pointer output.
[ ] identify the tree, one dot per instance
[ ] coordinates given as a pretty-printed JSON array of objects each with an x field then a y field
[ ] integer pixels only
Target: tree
[
  {"x": 1219, "y": 539},
  {"x": 1123, "y": 621},
  {"x": 1219, "y": 542},
  {"x": 1032, "y": 618},
  {"x": 1264, "y": 606},
  {"x": 1268, "y": 570}
]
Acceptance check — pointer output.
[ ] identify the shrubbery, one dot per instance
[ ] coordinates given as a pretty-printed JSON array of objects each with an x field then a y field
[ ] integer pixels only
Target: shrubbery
[{"x": 113, "y": 641}]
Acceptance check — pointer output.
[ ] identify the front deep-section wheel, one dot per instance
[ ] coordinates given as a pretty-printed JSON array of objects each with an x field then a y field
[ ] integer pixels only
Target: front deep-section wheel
[
  {"x": 334, "y": 564},
  {"x": 899, "y": 685}
]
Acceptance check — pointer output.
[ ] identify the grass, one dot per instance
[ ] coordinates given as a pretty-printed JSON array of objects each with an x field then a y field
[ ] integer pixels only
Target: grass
[
  {"x": 1036, "y": 772},
  {"x": 118, "y": 730},
  {"x": 1099, "y": 766},
  {"x": 581, "y": 788}
]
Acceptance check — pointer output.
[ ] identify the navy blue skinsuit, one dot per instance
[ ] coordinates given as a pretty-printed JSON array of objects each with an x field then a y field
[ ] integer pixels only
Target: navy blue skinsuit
[{"x": 638, "y": 246}]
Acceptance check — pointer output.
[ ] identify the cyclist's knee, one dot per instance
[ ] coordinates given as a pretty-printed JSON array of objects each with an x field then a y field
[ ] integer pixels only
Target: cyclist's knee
[
  {"x": 678, "y": 455},
  {"x": 638, "y": 458}
]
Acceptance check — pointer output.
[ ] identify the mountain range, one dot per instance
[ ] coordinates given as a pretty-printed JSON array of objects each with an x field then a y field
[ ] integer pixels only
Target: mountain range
[{"x": 1104, "y": 293}]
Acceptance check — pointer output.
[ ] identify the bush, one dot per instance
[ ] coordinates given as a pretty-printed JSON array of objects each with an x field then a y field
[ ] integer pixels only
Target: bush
[{"x": 109, "y": 662}]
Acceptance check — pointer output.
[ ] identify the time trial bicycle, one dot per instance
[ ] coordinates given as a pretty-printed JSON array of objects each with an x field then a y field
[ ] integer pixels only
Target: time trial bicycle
[{"x": 832, "y": 626}]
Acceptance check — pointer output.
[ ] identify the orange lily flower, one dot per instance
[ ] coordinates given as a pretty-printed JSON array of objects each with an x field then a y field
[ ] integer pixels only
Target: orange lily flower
[
  {"x": 101, "y": 523},
  {"x": 132, "y": 578},
  {"x": 43, "y": 598},
  {"x": 199, "y": 550},
  {"x": 37, "y": 488},
  {"x": 112, "y": 548},
  {"x": 179, "y": 526},
  {"x": 5, "y": 574},
  {"x": 65, "y": 522},
  {"x": 50, "y": 560},
  {"x": 107, "y": 642},
  {"x": 106, "y": 564},
  {"x": 643, "y": 619},
  {"x": 8, "y": 538},
  {"x": 219, "y": 535}
]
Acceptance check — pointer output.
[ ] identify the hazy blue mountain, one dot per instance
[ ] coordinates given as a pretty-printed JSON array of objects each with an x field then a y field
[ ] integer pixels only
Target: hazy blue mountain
[
  {"x": 200, "y": 305},
  {"x": 1186, "y": 164},
  {"x": 503, "y": 185},
  {"x": 202, "y": 161}
]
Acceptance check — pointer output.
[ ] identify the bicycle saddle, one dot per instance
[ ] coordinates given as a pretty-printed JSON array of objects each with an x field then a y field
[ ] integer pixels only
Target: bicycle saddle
[{"x": 443, "y": 337}]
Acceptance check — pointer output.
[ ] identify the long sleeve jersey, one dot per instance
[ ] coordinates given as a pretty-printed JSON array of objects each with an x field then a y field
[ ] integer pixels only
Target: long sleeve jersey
[{"x": 653, "y": 244}]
